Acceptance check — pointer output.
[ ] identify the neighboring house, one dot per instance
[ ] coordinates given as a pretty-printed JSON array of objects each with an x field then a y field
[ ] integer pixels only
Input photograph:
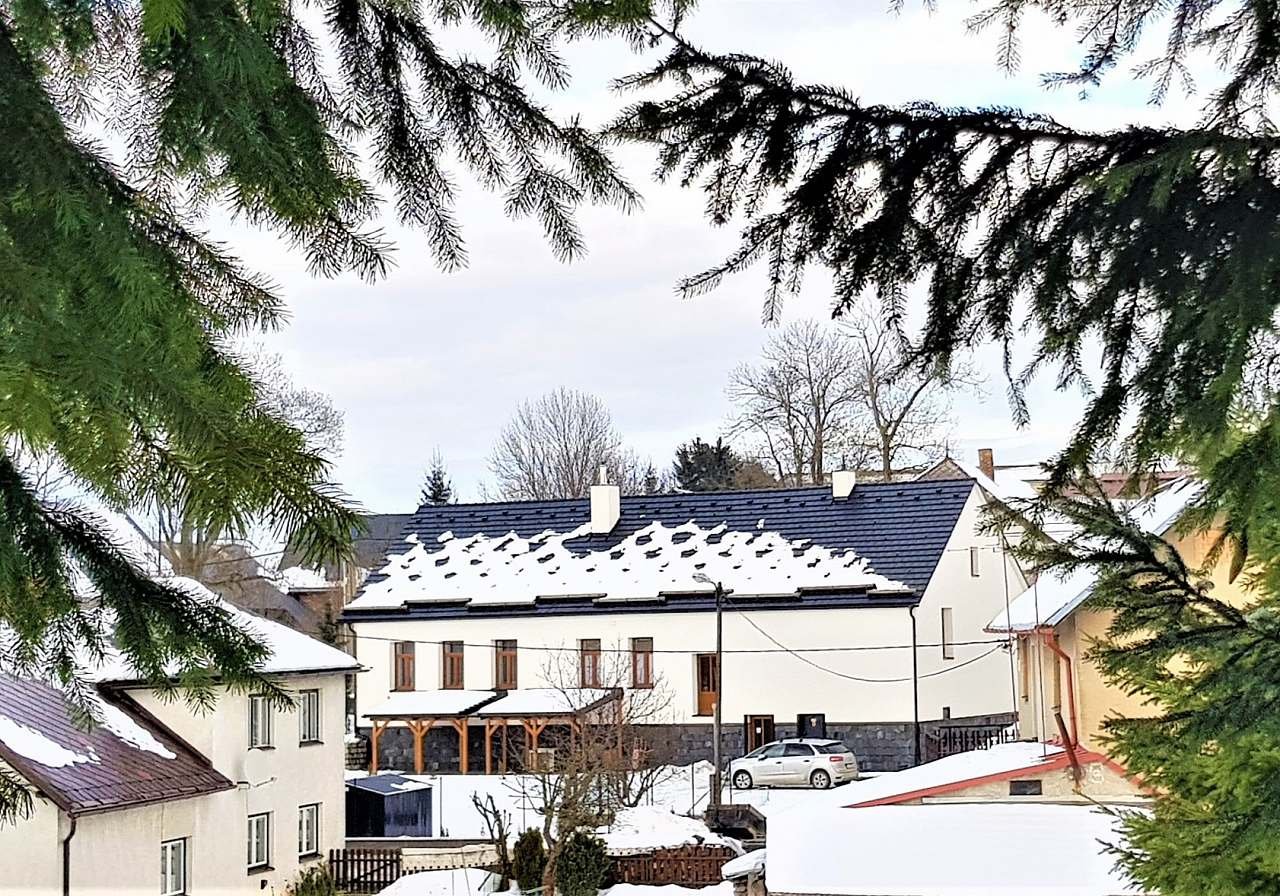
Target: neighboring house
[
  {"x": 939, "y": 850},
  {"x": 857, "y": 604},
  {"x": 324, "y": 591},
  {"x": 160, "y": 798},
  {"x": 1055, "y": 629}
]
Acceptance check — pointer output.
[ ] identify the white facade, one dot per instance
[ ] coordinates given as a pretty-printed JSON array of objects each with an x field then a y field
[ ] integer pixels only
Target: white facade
[
  {"x": 772, "y": 682},
  {"x": 118, "y": 852}
]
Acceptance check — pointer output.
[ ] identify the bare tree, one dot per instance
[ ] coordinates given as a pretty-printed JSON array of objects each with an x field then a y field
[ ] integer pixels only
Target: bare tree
[
  {"x": 907, "y": 406},
  {"x": 498, "y": 824},
  {"x": 554, "y": 447},
  {"x": 802, "y": 405},
  {"x": 604, "y": 761}
]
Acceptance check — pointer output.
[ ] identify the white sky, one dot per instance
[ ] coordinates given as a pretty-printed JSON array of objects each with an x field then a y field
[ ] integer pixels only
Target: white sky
[{"x": 425, "y": 359}]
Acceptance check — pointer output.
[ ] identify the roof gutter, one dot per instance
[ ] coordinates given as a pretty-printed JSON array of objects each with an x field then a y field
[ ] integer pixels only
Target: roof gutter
[
  {"x": 1051, "y": 641},
  {"x": 915, "y": 691},
  {"x": 66, "y": 857}
]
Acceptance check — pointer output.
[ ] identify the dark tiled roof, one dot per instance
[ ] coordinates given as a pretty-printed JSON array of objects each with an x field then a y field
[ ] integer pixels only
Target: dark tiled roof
[
  {"x": 370, "y": 546},
  {"x": 123, "y": 775},
  {"x": 387, "y": 784},
  {"x": 901, "y": 527}
]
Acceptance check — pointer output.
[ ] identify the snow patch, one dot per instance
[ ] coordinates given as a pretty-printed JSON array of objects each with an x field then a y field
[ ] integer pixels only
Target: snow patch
[
  {"x": 115, "y": 720},
  {"x": 31, "y": 744}
]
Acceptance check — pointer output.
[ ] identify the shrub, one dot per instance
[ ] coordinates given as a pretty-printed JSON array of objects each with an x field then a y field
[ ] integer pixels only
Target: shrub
[
  {"x": 582, "y": 867},
  {"x": 315, "y": 881},
  {"x": 528, "y": 860}
]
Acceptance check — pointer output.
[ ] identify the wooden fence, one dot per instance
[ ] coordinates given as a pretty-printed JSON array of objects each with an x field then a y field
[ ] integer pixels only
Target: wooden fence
[
  {"x": 365, "y": 870},
  {"x": 688, "y": 866}
]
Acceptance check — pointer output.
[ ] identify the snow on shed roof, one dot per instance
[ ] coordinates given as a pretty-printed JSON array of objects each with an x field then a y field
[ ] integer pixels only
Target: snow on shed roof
[
  {"x": 388, "y": 784},
  {"x": 545, "y": 701},
  {"x": 957, "y": 769},
  {"x": 969, "y": 849},
  {"x": 1053, "y": 597},
  {"x": 402, "y": 704},
  {"x": 884, "y": 534}
]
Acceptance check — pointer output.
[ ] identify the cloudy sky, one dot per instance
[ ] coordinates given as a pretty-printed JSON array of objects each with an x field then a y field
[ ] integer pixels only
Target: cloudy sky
[{"x": 425, "y": 359}]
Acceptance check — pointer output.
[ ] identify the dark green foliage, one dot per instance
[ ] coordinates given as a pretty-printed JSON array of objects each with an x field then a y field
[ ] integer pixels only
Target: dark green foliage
[
  {"x": 314, "y": 881},
  {"x": 118, "y": 318},
  {"x": 437, "y": 487},
  {"x": 583, "y": 865},
  {"x": 703, "y": 467},
  {"x": 528, "y": 860}
]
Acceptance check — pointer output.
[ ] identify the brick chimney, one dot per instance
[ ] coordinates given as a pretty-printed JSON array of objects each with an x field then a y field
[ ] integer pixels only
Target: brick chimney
[
  {"x": 987, "y": 463},
  {"x": 606, "y": 505},
  {"x": 842, "y": 483}
]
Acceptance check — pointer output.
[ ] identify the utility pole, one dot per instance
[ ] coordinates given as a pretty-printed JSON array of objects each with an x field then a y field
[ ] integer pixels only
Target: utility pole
[{"x": 703, "y": 578}]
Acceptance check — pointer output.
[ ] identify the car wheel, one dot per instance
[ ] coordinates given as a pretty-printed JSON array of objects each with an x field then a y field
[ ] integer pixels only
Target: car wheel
[
  {"x": 820, "y": 780},
  {"x": 742, "y": 780}
]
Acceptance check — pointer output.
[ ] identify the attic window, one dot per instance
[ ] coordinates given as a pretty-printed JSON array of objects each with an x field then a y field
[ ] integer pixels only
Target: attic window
[{"x": 1026, "y": 788}]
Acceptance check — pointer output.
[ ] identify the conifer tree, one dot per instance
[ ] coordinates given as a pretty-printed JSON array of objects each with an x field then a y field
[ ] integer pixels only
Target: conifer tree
[
  {"x": 119, "y": 317},
  {"x": 437, "y": 488},
  {"x": 703, "y": 467},
  {"x": 1153, "y": 247}
]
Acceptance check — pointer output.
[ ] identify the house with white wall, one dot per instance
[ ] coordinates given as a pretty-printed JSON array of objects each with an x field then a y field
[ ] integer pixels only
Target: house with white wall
[
  {"x": 861, "y": 604},
  {"x": 159, "y": 797}
]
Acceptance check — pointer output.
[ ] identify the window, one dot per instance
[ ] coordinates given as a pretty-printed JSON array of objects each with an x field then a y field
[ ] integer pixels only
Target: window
[
  {"x": 974, "y": 567},
  {"x": 589, "y": 651},
  {"x": 504, "y": 665},
  {"x": 948, "y": 635},
  {"x": 797, "y": 750},
  {"x": 259, "y": 721},
  {"x": 773, "y": 752},
  {"x": 259, "y": 840},
  {"x": 173, "y": 867},
  {"x": 451, "y": 674},
  {"x": 309, "y": 717},
  {"x": 402, "y": 655},
  {"x": 309, "y": 830},
  {"x": 1026, "y": 788},
  {"x": 642, "y": 662}
]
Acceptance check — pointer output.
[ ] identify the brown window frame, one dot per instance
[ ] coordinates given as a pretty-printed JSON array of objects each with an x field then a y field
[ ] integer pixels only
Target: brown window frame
[
  {"x": 641, "y": 663},
  {"x": 589, "y": 662},
  {"x": 403, "y": 663},
  {"x": 506, "y": 671},
  {"x": 452, "y": 666}
]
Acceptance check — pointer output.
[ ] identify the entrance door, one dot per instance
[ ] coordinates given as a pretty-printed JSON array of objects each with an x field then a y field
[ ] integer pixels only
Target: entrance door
[
  {"x": 708, "y": 676},
  {"x": 758, "y": 731}
]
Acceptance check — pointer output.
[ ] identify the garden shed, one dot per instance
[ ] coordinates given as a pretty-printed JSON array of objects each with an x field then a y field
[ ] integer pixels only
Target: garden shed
[{"x": 388, "y": 806}]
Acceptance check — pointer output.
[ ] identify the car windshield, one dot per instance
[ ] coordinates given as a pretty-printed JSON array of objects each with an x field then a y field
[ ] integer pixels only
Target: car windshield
[
  {"x": 833, "y": 748},
  {"x": 754, "y": 754}
]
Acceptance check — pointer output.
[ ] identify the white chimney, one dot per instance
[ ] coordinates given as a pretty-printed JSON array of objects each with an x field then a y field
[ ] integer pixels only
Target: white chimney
[
  {"x": 842, "y": 483},
  {"x": 606, "y": 505}
]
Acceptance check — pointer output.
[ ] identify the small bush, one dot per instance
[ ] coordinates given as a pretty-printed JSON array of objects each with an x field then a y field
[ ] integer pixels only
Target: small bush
[
  {"x": 528, "y": 860},
  {"x": 582, "y": 867},
  {"x": 315, "y": 881}
]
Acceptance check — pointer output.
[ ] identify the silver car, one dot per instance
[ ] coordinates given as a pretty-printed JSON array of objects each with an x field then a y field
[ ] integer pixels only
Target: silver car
[{"x": 797, "y": 761}]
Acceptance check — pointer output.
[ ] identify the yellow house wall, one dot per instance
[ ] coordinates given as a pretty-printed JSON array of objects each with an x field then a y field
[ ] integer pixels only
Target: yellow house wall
[{"x": 1099, "y": 782}]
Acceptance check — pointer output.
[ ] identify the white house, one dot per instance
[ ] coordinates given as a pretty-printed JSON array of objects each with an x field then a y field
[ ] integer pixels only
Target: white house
[
  {"x": 159, "y": 798},
  {"x": 859, "y": 604}
]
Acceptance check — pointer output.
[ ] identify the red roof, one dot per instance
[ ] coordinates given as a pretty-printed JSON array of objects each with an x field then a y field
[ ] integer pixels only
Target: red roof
[{"x": 113, "y": 773}]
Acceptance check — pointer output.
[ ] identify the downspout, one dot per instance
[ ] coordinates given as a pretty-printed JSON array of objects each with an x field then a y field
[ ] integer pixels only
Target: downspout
[
  {"x": 1051, "y": 641},
  {"x": 66, "y": 857},
  {"x": 915, "y": 692}
]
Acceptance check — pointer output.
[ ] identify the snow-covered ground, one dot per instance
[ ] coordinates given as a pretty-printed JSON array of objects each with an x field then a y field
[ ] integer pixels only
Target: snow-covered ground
[{"x": 459, "y": 882}]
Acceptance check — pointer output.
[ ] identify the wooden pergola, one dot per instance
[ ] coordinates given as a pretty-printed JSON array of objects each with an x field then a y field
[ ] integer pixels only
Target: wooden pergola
[{"x": 534, "y": 710}]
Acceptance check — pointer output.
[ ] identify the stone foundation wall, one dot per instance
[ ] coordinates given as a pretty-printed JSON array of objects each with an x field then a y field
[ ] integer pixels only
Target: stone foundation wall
[{"x": 879, "y": 746}]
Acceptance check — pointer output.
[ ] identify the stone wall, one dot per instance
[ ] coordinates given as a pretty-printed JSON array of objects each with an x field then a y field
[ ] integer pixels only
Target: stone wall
[{"x": 879, "y": 746}]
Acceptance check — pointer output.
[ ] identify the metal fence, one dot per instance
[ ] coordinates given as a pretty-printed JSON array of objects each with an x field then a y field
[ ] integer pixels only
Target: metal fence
[
  {"x": 952, "y": 739},
  {"x": 365, "y": 870}
]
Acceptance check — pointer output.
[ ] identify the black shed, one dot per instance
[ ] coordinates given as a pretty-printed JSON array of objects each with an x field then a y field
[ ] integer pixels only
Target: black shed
[{"x": 388, "y": 806}]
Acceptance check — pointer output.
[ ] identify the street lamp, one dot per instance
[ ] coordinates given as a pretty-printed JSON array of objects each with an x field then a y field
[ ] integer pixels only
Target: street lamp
[{"x": 703, "y": 579}]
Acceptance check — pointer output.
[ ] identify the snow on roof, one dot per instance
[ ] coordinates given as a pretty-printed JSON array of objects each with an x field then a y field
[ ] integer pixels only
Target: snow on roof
[
  {"x": 724, "y": 888},
  {"x": 289, "y": 650},
  {"x": 644, "y": 828},
  {"x": 430, "y": 703},
  {"x": 747, "y": 863},
  {"x": 40, "y": 749},
  {"x": 652, "y": 560},
  {"x": 969, "y": 849},
  {"x": 302, "y": 578},
  {"x": 953, "y": 769},
  {"x": 387, "y": 783},
  {"x": 1053, "y": 597},
  {"x": 452, "y": 882},
  {"x": 544, "y": 701}
]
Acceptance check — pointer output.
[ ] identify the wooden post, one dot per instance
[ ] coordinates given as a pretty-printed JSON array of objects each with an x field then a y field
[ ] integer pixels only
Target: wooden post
[
  {"x": 505, "y": 726},
  {"x": 378, "y": 728},
  {"x": 463, "y": 759},
  {"x": 488, "y": 747}
]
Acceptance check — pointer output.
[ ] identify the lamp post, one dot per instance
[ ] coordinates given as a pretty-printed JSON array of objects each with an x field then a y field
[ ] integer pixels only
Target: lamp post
[{"x": 704, "y": 579}]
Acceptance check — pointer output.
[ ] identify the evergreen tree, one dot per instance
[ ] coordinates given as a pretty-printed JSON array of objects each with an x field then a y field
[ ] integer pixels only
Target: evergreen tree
[
  {"x": 703, "y": 467},
  {"x": 119, "y": 316},
  {"x": 1155, "y": 248},
  {"x": 437, "y": 488}
]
